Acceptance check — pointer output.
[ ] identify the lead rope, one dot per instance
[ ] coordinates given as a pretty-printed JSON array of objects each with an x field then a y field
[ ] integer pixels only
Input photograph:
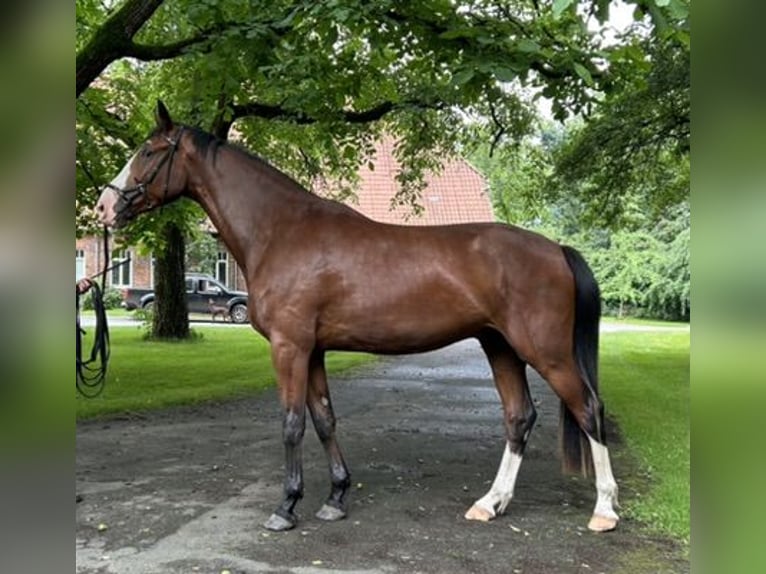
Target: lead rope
[{"x": 91, "y": 373}]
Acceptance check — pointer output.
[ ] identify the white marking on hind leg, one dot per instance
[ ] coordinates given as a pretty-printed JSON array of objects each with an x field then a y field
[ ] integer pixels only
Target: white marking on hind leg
[
  {"x": 604, "y": 517},
  {"x": 500, "y": 493}
]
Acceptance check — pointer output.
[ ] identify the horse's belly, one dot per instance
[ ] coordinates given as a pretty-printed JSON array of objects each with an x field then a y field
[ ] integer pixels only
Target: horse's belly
[{"x": 392, "y": 332}]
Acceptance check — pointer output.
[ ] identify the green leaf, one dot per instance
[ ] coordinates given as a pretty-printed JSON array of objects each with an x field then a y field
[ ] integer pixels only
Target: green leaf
[
  {"x": 678, "y": 9},
  {"x": 287, "y": 20},
  {"x": 341, "y": 14},
  {"x": 583, "y": 72},
  {"x": 658, "y": 18},
  {"x": 462, "y": 77},
  {"x": 549, "y": 91},
  {"x": 527, "y": 45},
  {"x": 504, "y": 74},
  {"x": 684, "y": 37},
  {"x": 560, "y": 5}
]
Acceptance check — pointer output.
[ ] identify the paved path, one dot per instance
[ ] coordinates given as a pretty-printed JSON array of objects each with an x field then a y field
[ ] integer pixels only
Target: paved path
[{"x": 186, "y": 490}]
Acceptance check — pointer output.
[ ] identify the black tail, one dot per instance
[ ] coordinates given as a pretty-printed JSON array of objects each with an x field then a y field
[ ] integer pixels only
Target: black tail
[{"x": 575, "y": 448}]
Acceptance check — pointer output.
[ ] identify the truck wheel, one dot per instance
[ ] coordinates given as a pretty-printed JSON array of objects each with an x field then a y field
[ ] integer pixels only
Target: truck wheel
[{"x": 238, "y": 313}]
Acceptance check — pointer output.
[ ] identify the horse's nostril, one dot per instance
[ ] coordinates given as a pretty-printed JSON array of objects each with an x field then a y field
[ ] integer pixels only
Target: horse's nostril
[{"x": 100, "y": 208}]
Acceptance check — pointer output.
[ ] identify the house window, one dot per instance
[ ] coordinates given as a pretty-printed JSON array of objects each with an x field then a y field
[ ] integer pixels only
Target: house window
[
  {"x": 79, "y": 263},
  {"x": 122, "y": 275},
  {"x": 222, "y": 267}
]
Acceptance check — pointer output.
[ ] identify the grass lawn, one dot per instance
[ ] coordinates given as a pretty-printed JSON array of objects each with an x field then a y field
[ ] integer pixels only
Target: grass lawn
[
  {"x": 222, "y": 364},
  {"x": 116, "y": 312},
  {"x": 645, "y": 386},
  {"x": 644, "y": 322},
  {"x": 121, "y": 313}
]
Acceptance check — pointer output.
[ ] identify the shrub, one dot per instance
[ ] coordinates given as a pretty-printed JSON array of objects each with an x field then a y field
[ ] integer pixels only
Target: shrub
[{"x": 111, "y": 297}]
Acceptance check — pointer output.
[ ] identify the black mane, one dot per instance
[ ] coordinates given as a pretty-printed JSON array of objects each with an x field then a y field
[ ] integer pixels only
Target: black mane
[{"x": 206, "y": 143}]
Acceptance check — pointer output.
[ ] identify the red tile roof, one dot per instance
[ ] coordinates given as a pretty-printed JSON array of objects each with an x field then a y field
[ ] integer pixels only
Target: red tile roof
[{"x": 458, "y": 194}]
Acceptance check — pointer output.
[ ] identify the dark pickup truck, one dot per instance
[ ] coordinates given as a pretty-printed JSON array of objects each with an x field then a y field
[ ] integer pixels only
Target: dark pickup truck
[{"x": 202, "y": 291}]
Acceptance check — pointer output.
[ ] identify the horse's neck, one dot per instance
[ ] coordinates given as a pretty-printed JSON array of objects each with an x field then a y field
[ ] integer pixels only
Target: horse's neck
[{"x": 248, "y": 202}]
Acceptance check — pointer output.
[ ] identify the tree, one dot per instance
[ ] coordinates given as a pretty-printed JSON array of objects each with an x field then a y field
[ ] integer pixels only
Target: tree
[
  {"x": 310, "y": 85},
  {"x": 638, "y": 142},
  {"x": 670, "y": 296},
  {"x": 519, "y": 175},
  {"x": 625, "y": 269}
]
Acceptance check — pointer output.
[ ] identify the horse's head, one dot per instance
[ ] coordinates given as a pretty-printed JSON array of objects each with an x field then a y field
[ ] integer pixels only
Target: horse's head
[{"x": 152, "y": 177}]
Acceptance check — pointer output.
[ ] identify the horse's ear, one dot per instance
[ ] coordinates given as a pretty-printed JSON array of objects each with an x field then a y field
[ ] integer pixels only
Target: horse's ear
[{"x": 162, "y": 117}]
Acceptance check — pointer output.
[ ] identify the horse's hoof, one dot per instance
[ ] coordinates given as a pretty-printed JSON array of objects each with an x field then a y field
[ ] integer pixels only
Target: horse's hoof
[
  {"x": 330, "y": 513},
  {"x": 278, "y": 523},
  {"x": 602, "y": 523},
  {"x": 479, "y": 513}
]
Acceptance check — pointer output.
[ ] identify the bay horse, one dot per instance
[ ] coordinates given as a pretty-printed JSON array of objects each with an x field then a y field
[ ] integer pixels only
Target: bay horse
[{"x": 322, "y": 276}]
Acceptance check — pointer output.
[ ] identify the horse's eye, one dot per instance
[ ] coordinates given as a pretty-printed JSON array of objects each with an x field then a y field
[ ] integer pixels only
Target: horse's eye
[{"x": 148, "y": 153}]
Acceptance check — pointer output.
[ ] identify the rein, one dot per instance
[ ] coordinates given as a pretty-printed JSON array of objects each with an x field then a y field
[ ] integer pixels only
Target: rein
[{"x": 91, "y": 372}]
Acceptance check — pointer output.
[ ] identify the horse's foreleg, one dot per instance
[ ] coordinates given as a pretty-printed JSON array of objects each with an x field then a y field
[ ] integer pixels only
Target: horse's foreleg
[
  {"x": 320, "y": 406},
  {"x": 291, "y": 365},
  {"x": 510, "y": 378}
]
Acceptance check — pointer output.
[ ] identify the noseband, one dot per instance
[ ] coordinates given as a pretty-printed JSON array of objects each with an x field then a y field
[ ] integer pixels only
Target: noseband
[{"x": 131, "y": 195}]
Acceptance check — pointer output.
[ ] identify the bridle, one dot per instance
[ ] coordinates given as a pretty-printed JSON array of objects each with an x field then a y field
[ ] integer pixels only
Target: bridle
[{"x": 129, "y": 196}]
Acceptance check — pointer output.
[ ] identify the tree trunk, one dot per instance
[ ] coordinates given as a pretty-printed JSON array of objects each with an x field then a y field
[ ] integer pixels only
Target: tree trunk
[{"x": 171, "y": 315}]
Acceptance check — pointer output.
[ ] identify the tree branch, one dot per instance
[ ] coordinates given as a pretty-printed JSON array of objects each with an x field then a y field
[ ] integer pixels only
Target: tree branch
[
  {"x": 277, "y": 112},
  {"x": 147, "y": 53},
  {"x": 269, "y": 112},
  {"x": 501, "y": 129},
  {"x": 111, "y": 40},
  {"x": 114, "y": 40}
]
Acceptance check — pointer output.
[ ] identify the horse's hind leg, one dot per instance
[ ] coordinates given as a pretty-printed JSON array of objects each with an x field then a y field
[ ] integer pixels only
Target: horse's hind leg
[
  {"x": 585, "y": 419},
  {"x": 509, "y": 372},
  {"x": 320, "y": 407},
  {"x": 604, "y": 517}
]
